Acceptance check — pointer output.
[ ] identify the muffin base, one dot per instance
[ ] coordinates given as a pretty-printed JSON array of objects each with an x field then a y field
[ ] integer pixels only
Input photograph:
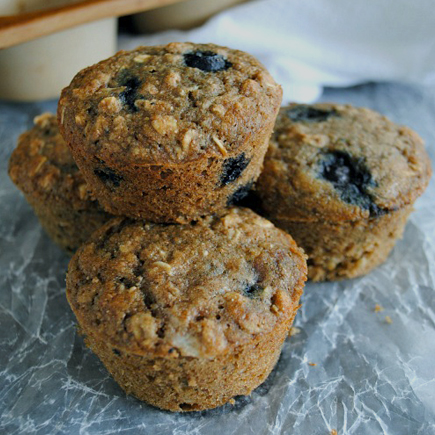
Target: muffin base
[
  {"x": 173, "y": 193},
  {"x": 346, "y": 249},
  {"x": 192, "y": 384},
  {"x": 66, "y": 226}
]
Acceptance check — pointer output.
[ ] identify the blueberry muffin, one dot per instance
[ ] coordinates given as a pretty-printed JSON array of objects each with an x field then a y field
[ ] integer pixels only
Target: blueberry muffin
[
  {"x": 185, "y": 317},
  {"x": 43, "y": 169},
  {"x": 170, "y": 133},
  {"x": 342, "y": 181}
]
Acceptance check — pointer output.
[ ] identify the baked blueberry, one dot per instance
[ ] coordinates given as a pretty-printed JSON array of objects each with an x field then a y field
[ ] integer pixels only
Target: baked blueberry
[
  {"x": 352, "y": 179},
  {"x": 252, "y": 290},
  {"x": 108, "y": 176},
  {"x": 207, "y": 61},
  {"x": 233, "y": 168},
  {"x": 241, "y": 193},
  {"x": 129, "y": 96},
  {"x": 349, "y": 176},
  {"x": 303, "y": 112}
]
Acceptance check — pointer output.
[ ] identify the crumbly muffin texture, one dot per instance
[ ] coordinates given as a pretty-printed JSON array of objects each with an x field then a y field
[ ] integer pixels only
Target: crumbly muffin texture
[
  {"x": 193, "y": 290},
  {"x": 170, "y": 133},
  {"x": 195, "y": 300},
  {"x": 342, "y": 163},
  {"x": 43, "y": 155},
  {"x": 43, "y": 168},
  {"x": 342, "y": 181}
]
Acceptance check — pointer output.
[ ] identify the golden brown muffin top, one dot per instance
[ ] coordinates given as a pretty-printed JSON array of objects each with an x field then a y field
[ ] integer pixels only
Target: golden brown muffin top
[
  {"x": 341, "y": 163},
  {"x": 42, "y": 165},
  {"x": 169, "y": 104},
  {"x": 196, "y": 290}
]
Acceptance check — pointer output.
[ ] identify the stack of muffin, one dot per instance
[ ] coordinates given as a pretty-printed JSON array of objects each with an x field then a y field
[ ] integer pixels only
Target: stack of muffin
[{"x": 187, "y": 300}]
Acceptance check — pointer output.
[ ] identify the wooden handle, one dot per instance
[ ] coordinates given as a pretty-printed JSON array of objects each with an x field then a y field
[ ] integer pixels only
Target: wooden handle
[{"x": 16, "y": 29}]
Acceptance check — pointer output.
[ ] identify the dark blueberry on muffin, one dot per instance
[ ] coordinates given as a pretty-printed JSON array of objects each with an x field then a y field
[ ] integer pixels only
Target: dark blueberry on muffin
[
  {"x": 129, "y": 96},
  {"x": 302, "y": 112},
  {"x": 207, "y": 61},
  {"x": 233, "y": 168},
  {"x": 240, "y": 194},
  {"x": 349, "y": 176},
  {"x": 108, "y": 176}
]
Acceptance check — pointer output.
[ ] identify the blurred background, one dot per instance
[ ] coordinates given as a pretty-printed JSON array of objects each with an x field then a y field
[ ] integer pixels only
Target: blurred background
[{"x": 306, "y": 45}]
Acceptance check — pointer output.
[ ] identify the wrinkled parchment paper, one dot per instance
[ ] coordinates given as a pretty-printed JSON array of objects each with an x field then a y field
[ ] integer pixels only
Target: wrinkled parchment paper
[{"x": 351, "y": 368}]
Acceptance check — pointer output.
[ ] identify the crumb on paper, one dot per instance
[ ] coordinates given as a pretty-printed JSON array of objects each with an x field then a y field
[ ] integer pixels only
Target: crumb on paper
[
  {"x": 312, "y": 364},
  {"x": 378, "y": 308},
  {"x": 388, "y": 320},
  {"x": 294, "y": 331}
]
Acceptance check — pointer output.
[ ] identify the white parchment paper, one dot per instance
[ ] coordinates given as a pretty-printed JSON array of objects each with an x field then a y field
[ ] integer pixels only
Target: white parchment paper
[{"x": 351, "y": 368}]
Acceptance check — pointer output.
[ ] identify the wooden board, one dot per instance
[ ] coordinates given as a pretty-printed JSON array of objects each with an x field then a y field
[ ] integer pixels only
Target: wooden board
[{"x": 16, "y": 29}]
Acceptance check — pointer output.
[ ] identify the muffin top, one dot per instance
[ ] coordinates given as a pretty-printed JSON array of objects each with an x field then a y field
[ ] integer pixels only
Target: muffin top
[
  {"x": 194, "y": 290},
  {"x": 170, "y": 103},
  {"x": 42, "y": 165},
  {"x": 341, "y": 163}
]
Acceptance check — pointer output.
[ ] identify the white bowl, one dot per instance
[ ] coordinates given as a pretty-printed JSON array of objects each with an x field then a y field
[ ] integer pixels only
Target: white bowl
[
  {"x": 39, "y": 69},
  {"x": 182, "y": 15}
]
